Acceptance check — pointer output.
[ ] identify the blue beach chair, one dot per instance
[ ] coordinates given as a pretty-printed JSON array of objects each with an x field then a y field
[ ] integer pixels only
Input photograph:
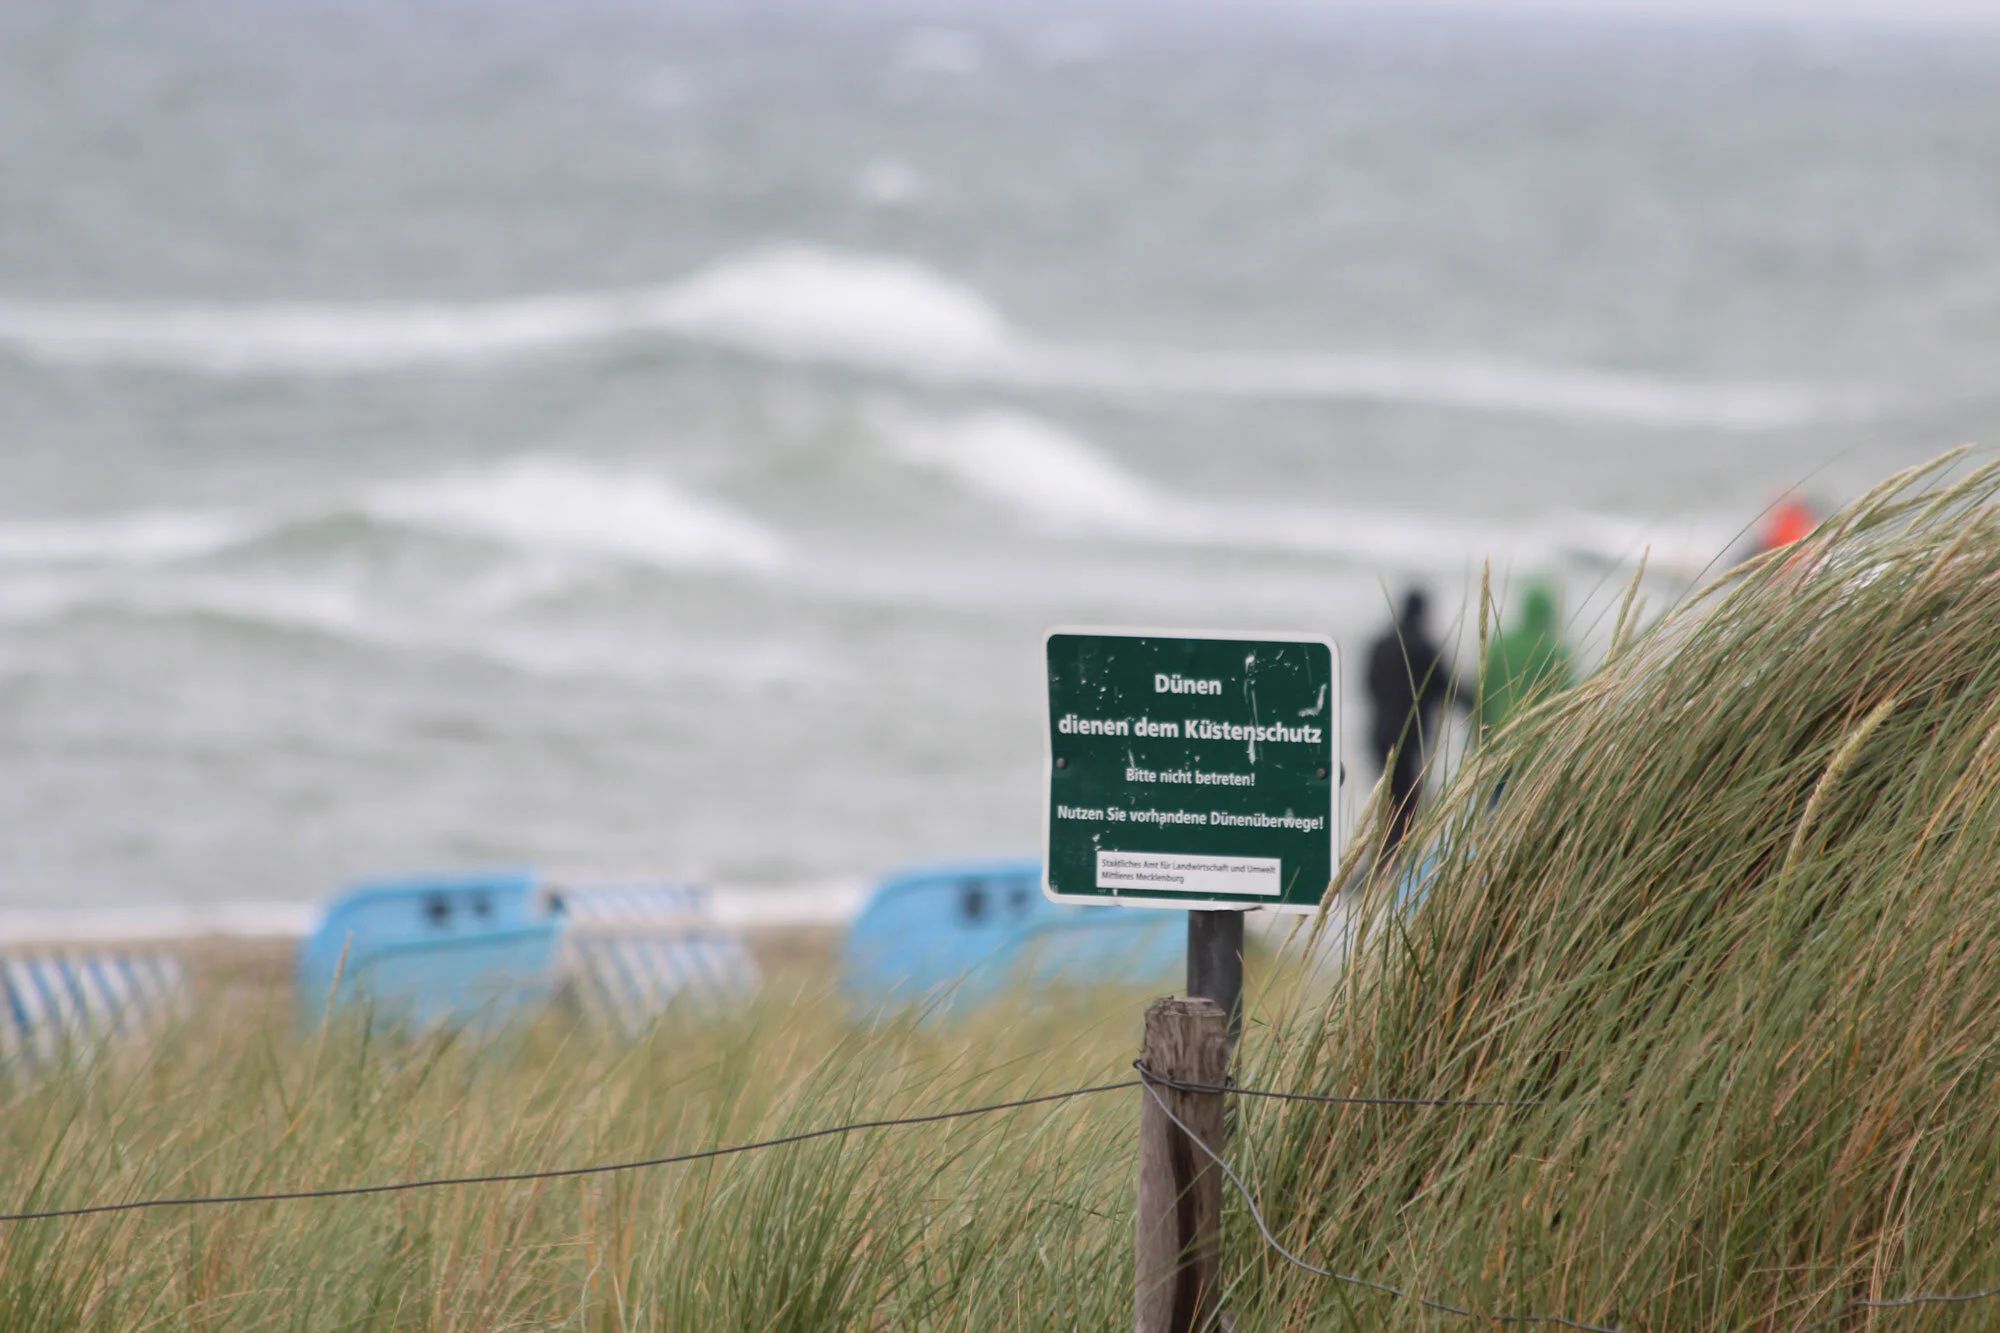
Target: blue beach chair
[
  {"x": 429, "y": 948},
  {"x": 963, "y": 933},
  {"x": 499, "y": 946}
]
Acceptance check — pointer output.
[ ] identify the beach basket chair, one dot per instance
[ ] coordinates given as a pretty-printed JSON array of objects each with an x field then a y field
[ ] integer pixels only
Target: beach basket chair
[
  {"x": 954, "y": 935},
  {"x": 490, "y": 948},
  {"x": 426, "y": 950}
]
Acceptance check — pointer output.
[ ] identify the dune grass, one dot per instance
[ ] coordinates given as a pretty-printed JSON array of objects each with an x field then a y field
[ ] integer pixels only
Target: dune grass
[
  {"x": 943, "y": 1225},
  {"x": 1735, "y": 920},
  {"x": 968, "y": 1223},
  {"x": 1731, "y": 925}
]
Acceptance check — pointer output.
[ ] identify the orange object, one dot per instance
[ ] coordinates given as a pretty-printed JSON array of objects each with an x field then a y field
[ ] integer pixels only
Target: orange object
[{"x": 1790, "y": 520}]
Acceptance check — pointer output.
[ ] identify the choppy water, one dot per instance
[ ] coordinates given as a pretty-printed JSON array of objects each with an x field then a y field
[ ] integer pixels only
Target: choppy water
[{"x": 639, "y": 438}]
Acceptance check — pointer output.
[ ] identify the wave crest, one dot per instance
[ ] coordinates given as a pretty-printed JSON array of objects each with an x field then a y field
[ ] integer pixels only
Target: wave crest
[
  {"x": 1034, "y": 467},
  {"x": 144, "y": 537},
  {"x": 816, "y": 305},
  {"x": 554, "y": 503},
  {"x": 873, "y": 313},
  {"x": 1059, "y": 480},
  {"x": 530, "y": 504}
]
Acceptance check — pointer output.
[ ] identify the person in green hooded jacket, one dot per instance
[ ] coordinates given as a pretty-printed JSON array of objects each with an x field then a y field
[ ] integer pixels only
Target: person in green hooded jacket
[{"x": 1527, "y": 663}]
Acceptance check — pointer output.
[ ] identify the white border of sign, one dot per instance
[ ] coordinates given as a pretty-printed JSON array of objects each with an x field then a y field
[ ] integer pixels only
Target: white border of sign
[{"x": 1185, "y": 903}]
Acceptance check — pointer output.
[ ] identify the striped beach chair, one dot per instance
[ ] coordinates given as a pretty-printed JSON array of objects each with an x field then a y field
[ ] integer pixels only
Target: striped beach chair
[
  {"x": 70, "y": 1002},
  {"x": 628, "y": 954}
]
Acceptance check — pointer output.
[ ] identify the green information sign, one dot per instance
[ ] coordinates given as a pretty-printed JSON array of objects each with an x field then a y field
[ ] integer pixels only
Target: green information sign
[{"x": 1191, "y": 769}]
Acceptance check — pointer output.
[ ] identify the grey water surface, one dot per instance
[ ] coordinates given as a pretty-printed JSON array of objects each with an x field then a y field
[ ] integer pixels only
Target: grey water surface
[{"x": 653, "y": 438}]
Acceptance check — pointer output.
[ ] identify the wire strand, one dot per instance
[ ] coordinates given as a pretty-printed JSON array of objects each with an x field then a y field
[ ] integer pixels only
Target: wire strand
[
  {"x": 1926, "y": 1298},
  {"x": 1231, "y": 1090},
  {"x": 558, "y": 1173},
  {"x": 1257, "y": 1216},
  {"x": 1147, "y": 1076},
  {"x": 1146, "y": 1081}
]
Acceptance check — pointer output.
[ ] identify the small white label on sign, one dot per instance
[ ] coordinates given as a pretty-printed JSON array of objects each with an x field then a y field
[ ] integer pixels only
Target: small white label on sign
[{"x": 1170, "y": 872}]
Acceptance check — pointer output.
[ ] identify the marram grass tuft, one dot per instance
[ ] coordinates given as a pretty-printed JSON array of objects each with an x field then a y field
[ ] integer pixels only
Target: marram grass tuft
[{"x": 1730, "y": 912}]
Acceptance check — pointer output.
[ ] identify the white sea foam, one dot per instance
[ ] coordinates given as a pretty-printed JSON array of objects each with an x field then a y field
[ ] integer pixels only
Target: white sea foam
[
  {"x": 872, "y": 313},
  {"x": 533, "y": 503},
  {"x": 1034, "y": 467},
  {"x": 135, "y": 538},
  {"x": 312, "y": 338},
  {"x": 856, "y": 310},
  {"x": 553, "y": 522},
  {"x": 1040, "y": 470},
  {"x": 787, "y": 302},
  {"x": 332, "y": 606},
  {"x": 1055, "y": 478},
  {"x": 566, "y": 504}
]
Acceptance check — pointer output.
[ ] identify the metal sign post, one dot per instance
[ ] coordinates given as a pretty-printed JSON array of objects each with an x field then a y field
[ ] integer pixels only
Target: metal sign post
[{"x": 1215, "y": 963}]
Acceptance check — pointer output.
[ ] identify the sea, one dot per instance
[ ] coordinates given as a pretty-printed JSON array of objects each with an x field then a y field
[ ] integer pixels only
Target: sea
[{"x": 650, "y": 440}]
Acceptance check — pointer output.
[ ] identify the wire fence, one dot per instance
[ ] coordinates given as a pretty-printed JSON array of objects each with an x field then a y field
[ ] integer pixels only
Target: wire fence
[
  {"x": 1230, "y": 1089},
  {"x": 564, "y": 1172},
  {"x": 1147, "y": 1081},
  {"x": 1897, "y": 1303},
  {"x": 1257, "y": 1216}
]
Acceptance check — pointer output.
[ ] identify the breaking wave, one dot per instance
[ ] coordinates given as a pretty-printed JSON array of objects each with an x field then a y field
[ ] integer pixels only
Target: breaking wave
[
  {"x": 536, "y": 503},
  {"x": 1034, "y": 467},
  {"x": 140, "y": 538},
  {"x": 789, "y": 303},
  {"x": 1054, "y": 478},
  {"x": 566, "y": 505},
  {"x": 872, "y": 313}
]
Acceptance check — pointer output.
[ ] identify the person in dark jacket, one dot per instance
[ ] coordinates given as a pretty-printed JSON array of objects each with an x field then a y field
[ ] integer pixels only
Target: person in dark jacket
[{"x": 1408, "y": 683}]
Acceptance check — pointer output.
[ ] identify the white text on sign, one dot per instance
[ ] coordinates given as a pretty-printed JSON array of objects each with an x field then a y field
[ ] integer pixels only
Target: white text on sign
[
  {"x": 1133, "y": 773},
  {"x": 1194, "y": 729}
]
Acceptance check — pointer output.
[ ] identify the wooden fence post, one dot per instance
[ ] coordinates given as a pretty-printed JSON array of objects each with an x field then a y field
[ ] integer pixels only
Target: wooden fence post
[{"x": 1178, "y": 1251}]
